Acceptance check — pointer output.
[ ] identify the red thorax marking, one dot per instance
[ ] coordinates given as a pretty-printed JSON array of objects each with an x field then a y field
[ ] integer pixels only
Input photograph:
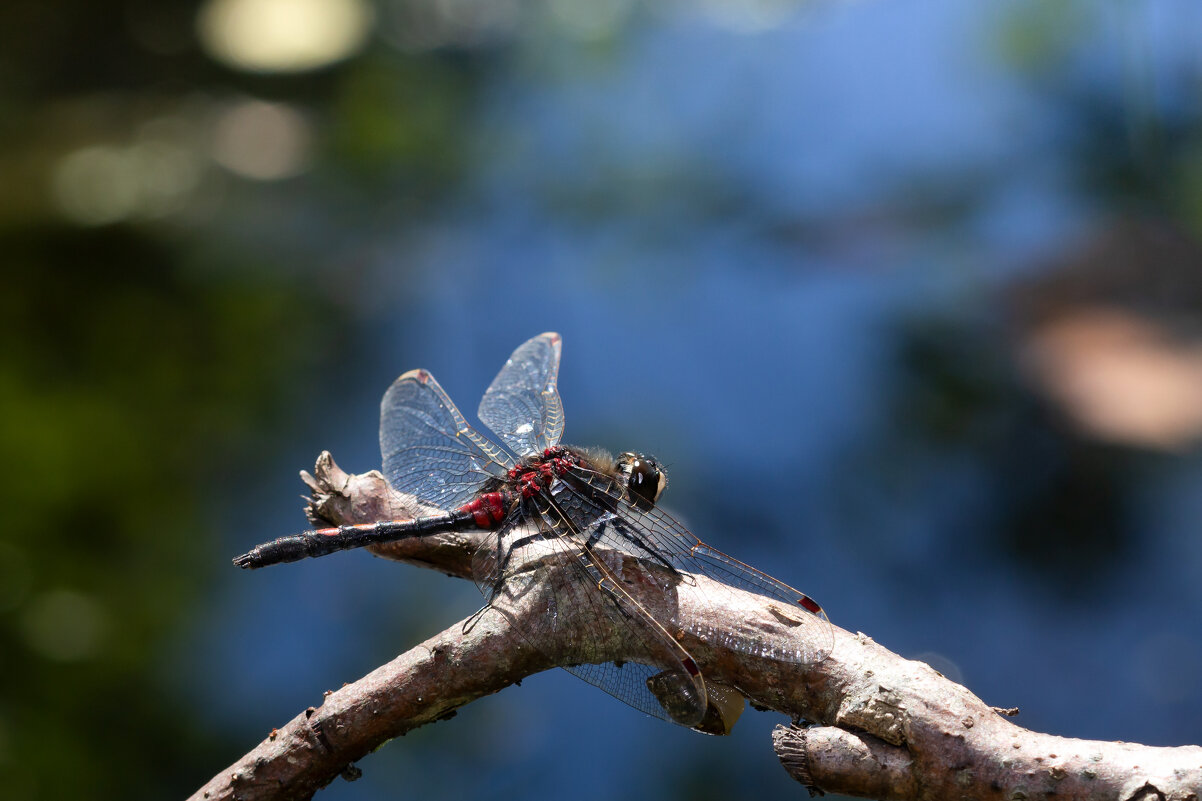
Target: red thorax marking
[
  {"x": 488, "y": 510},
  {"x": 532, "y": 479}
]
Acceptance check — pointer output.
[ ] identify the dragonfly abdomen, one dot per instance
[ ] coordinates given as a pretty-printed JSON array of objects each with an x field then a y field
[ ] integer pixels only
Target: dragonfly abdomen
[{"x": 322, "y": 541}]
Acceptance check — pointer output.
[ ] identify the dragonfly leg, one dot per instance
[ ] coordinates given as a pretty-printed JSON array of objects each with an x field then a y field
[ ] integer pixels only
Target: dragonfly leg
[{"x": 630, "y": 536}]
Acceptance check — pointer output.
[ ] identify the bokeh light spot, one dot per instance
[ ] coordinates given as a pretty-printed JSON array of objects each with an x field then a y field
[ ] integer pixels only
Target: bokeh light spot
[
  {"x": 283, "y": 35},
  {"x": 64, "y": 625},
  {"x": 102, "y": 184},
  {"x": 431, "y": 24},
  {"x": 93, "y": 186},
  {"x": 1121, "y": 377},
  {"x": 591, "y": 19},
  {"x": 748, "y": 16},
  {"x": 262, "y": 141}
]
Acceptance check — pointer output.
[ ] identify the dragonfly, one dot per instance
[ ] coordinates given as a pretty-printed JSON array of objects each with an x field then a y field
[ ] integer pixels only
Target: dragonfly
[{"x": 543, "y": 506}]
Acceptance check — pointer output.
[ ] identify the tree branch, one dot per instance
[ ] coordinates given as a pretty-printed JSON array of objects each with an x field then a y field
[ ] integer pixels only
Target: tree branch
[
  {"x": 428, "y": 683},
  {"x": 894, "y": 728}
]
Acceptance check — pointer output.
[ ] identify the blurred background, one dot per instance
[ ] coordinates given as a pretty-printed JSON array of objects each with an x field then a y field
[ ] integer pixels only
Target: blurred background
[{"x": 907, "y": 296}]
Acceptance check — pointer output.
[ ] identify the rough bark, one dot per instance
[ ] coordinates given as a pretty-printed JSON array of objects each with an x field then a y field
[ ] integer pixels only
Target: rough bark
[{"x": 890, "y": 728}]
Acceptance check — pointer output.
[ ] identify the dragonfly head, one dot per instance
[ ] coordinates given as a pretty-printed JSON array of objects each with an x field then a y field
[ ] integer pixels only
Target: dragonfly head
[{"x": 644, "y": 478}]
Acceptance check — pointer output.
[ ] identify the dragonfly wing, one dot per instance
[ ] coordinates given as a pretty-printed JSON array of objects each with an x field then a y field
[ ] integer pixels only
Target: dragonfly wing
[
  {"x": 552, "y": 556},
  {"x": 522, "y": 404},
  {"x": 661, "y": 678},
  {"x": 654, "y": 535},
  {"x": 428, "y": 449}
]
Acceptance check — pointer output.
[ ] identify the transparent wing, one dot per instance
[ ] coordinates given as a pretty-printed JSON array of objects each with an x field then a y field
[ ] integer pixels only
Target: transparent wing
[
  {"x": 429, "y": 450},
  {"x": 577, "y": 569},
  {"x": 522, "y": 405},
  {"x": 655, "y": 536}
]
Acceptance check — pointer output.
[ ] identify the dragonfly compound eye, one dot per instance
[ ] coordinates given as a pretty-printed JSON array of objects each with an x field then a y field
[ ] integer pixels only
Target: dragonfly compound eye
[{"x": 645, "y": 479}]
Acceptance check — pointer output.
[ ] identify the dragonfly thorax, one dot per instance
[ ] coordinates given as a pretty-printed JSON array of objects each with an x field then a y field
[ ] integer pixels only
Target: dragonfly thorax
[{"x": 538, "y": 473}]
